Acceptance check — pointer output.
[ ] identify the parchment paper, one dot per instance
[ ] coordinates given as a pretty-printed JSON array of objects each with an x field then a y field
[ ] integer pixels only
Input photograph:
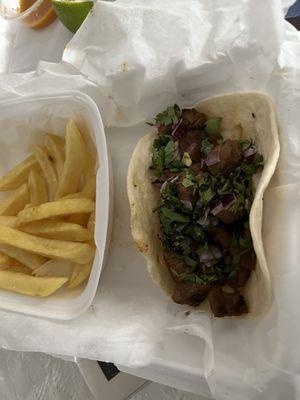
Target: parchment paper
[{"x": 135, "y": 58}]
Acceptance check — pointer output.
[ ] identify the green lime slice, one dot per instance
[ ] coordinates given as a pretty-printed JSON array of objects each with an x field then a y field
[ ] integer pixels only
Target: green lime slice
[{"x": 72, "y": 13}]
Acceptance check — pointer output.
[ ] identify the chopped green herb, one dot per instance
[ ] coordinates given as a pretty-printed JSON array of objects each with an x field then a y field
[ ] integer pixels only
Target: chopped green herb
[
  {"x": 245, "y": 243},
  {"x": 256, "y": 165},
  {"x": 170, "y": 116},
  {"x": 202, "y": 249},
  {"x": 190, "y": 262},
  {"x": 191, "y": 277},
  {"x": 207, "y": 195},
  {"x": 176, "y": 166},
  {"x": 206, "y": 146},
  {"x": 173, "y": 216},
  {"x": 169, "y": 152},
  {"x": 236, "y": 259},
  {"x": 246, "y": 225},
  {"x": 161, "y": 141},
  {"x": 234, "y": 241},
  {"x": 245, "y": 144},
  {"x": 158, "y": 159},
  {"x": 187, "y": 182},
  {"x": 212, "y": 127}
]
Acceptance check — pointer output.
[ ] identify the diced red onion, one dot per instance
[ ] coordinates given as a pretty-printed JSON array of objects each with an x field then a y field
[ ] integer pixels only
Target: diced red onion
[
  {"x": 250, "y": 152},
  {"x": 213, "y": 157},
  {"x": 210, "y": 263},
  {"x": 228, "y": 200},
  {"x": 217, "y": 208},
  {"x": 209, "y": 256},
  {"x": 213, "y": 253},
  {"x": 216, "y": 252},
  {"x": 173, "y": 179},
  {"x": 187, "y": 204},
  {"x": 164, "y": 185},
  {"x": 157, "y": 183},
  {"x": 176, "y": 155},
  {"x": 202, "y": 220},
  {"x": 198, "y": 203},
  {"x": 157, "y": 125},
  {"x": 206, "y": 257},
  {"x": 179, "y": 130},
  {"x": 213, "y": 221},
  {"x": 225, "y": 203}
]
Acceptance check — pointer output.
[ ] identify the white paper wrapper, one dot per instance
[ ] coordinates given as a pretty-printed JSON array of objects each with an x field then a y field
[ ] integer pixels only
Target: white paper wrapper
[{"x": 140, "y": 57}]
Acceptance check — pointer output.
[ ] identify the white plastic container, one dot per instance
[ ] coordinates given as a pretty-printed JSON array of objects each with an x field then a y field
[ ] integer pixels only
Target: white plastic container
[{"x": 22, "y": 123}]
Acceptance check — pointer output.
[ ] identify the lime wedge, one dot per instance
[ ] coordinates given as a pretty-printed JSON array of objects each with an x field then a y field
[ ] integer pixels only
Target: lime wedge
[{"x": 72, "y": 13}]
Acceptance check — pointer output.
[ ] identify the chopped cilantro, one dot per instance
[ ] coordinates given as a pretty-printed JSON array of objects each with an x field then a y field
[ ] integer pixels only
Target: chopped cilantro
[
  {"x": 170, "y": 116},
  {"x": 160, "y": 141},
  {"x": 173, "y": 216},
  {"x": 207, "y": 195},
  {"x": 169, "y": 152},
  {"x": 236, "y": 259},
  {"x": 234, "y": 241},
  {"x": 190, "y": 262},
  {"x": 158, "y": 157},
  {"x": 206, "y": 146},
  {"x": 245, "y": 144},
  {"x": 212, "y": 127},
  {"x": 187, "y": 182},
  {"x": 176, "y": 166},
  {"x": 254, "y": 166},
  {"x": 202, "y": 249},
  {"x": 245, "y": 243}
]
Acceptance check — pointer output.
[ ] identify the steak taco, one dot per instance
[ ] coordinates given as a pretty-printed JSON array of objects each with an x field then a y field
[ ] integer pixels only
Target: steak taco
[{"x": 196, "y": 189}]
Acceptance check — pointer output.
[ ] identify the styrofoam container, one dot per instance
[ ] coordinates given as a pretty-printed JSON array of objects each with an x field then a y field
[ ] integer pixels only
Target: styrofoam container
[{"x": 23, "y": 122}]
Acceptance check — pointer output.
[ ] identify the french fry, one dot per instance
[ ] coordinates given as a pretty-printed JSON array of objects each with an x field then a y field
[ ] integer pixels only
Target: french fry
[
  {"x": 80, "y": 253},
  {"x": 7, "y": 261},
  {"x": 55, "y": 209},
  {"x": 30, "y": 260},
  {"x": 18, "y": 174},
  {"x": 48, "y": 169},
  {"x": 79, "y": 219},
  {"x": 37, "y": 188},
  {"x": 4, "y": 259},
  {"x": 55, "y": 268},
  {"x": 88, "y": 191},
  {"x": 60, "y": 141},
  {"x": 91, "y": 223},
  {"x": 55, "y": 149},
  {"x": 82, "y": 272},
  {"x": 54, "y": 202},
  {"x": 20, "y": 268},
  {"x": 90, "y": 166},
  {"x": 79, "y": 275},
  {"x": 16, "y": 201},
  {"x": 75, "y": 159},
  {"x": 7, "y": 220},
  {"x": 59, "y": 230},
  {"x": 30, "y": 285}
]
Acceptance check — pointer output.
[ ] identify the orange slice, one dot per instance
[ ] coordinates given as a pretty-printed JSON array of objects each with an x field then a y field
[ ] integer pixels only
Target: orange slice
[{"x": 39, "y": 18}]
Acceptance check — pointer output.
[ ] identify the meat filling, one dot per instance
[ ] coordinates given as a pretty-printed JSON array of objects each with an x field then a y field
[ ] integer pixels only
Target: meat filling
[{"x": 205, "y": 187}]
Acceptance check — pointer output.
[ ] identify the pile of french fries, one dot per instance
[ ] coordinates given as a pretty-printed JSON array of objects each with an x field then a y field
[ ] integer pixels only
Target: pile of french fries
[{"x": 49, "y": 215}]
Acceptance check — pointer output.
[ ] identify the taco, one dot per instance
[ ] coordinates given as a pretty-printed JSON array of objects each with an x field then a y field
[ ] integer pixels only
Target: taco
[{"x": 195, "y": 188}]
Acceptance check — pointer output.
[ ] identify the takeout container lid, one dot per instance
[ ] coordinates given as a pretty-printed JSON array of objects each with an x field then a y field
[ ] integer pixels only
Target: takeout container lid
[{"x": 36, "y": 111}]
